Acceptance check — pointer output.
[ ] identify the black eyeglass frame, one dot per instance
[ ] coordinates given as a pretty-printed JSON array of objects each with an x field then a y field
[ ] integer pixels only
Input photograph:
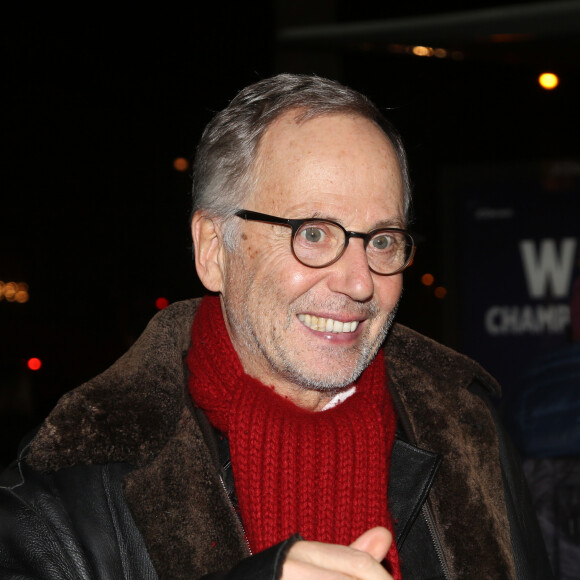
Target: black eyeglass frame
[{"x": 296, "y": 224}]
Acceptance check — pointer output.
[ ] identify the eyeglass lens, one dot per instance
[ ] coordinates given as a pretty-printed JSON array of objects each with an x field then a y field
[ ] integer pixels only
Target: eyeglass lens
[{"x": 319, "y": 243}]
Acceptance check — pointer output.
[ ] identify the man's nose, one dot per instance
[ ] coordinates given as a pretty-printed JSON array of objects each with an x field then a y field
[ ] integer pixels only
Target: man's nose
[{"x": 351, "y": 274}]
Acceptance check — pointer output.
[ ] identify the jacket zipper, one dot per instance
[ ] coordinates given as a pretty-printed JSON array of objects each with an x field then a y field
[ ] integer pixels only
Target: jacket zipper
[
  {"x": 436, "y": 540},
  {"x": 237, "y": 516}
]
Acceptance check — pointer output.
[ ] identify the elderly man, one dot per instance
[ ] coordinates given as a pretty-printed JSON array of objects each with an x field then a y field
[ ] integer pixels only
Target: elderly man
[{"x": 281, "y": 427}]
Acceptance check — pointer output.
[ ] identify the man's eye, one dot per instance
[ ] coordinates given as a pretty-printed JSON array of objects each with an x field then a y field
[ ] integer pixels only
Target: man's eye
[
  {"x": 382, "y": 242},
  {"x": 313, "y": 234}
]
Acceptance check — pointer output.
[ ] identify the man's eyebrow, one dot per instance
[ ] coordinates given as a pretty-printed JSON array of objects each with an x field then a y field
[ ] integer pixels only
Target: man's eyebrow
[{"x": 395, "y": 222}]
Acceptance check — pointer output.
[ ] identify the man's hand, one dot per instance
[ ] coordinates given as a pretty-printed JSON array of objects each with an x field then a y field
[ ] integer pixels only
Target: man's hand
[{"x": 361, "y": 560}]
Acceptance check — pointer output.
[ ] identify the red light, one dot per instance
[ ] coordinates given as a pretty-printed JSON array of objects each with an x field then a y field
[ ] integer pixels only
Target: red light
[
  {"x": 427, "y": 279},
  {"x": 161, "y": 303},
  {"x": 181, "y": 164},
  {"x": 34, "y": 363}
]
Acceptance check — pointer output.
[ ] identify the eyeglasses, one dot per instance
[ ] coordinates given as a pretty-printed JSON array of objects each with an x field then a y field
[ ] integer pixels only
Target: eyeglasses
[{"x": 318, "y": 243}]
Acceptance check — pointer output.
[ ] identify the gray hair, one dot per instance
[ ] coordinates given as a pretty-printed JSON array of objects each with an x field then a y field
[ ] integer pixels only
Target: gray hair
[{"x": 223, "y": 173}]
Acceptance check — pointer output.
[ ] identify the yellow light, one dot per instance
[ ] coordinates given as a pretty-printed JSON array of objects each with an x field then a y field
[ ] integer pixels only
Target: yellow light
[
  {"x": 181, "y": 164},
  {"x": 422, "y": 51},
  {"x": 548, "y": 81}
]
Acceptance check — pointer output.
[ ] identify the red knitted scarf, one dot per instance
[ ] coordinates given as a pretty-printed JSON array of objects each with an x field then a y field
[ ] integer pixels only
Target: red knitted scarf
[{"x": 322, "y": 474}]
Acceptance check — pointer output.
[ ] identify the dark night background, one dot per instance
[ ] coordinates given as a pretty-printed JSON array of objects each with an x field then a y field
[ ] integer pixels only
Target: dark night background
[{"x": 94, "y": 218}]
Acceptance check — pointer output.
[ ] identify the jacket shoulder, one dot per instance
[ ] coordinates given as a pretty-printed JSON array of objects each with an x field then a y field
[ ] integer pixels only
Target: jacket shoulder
[
  {"x": 129, "y": 411},
  {"x": 413, "y": 357}
]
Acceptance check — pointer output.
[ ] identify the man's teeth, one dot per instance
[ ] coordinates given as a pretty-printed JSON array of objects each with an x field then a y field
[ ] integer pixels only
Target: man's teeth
[{"x": 327, "y": 324}]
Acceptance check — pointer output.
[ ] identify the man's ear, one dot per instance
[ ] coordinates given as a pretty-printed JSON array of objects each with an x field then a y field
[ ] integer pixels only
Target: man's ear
[{"x": 208, "y": 250}]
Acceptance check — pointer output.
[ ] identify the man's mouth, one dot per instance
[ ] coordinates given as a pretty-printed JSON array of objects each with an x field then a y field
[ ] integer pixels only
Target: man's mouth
[{"x": 327, "y": 324}]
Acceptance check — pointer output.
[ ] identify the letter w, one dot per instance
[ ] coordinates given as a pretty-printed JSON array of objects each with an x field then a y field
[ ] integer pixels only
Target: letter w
[{"x": 547, "y": 266}]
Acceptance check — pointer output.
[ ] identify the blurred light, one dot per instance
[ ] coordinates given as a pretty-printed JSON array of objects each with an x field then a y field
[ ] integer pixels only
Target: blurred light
[
  {"x": 34, "y": 364},
  {"x": 21, "y": 296},
  {"x": 440, "y": 292},
  {"x": 548, "y": 81},
  {"x": 427, "y": 279},
  {"x": 422, "y": 51},
  {"x": 181, "y": 164},
  {"x": 10, "y": 290},
  {"x": 161, "y": 303},
  {"x": 14, "y": 292}
]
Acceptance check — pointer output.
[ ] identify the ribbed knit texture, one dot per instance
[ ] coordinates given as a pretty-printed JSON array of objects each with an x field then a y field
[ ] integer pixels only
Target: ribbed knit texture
[{"x": 324, "y": 474}]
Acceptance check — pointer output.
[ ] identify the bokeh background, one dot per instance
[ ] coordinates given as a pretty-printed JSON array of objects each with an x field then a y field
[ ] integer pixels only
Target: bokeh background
[{"x": 98, "y": 106}]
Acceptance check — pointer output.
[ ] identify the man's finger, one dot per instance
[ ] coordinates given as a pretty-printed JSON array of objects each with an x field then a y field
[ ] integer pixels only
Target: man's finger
[
  {"x": 298, "y": 570},
  {"x": 375, "y": 542},
  {"x": 350, "y": 562}
]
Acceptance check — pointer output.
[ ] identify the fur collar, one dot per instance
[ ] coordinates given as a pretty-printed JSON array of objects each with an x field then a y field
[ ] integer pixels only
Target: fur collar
[{"x": 138, "y": 411}]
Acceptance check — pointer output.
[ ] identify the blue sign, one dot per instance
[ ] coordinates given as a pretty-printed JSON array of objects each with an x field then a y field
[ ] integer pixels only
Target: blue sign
[{"x": 519, "y": 248}]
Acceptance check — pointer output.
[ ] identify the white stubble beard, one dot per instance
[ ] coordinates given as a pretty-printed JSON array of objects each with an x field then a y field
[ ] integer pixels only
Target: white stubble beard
[{"x": 300, "y": 373}]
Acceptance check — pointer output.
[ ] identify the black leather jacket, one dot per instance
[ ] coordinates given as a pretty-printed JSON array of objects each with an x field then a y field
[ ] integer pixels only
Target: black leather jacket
[{"x": 113, "y": 488}]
